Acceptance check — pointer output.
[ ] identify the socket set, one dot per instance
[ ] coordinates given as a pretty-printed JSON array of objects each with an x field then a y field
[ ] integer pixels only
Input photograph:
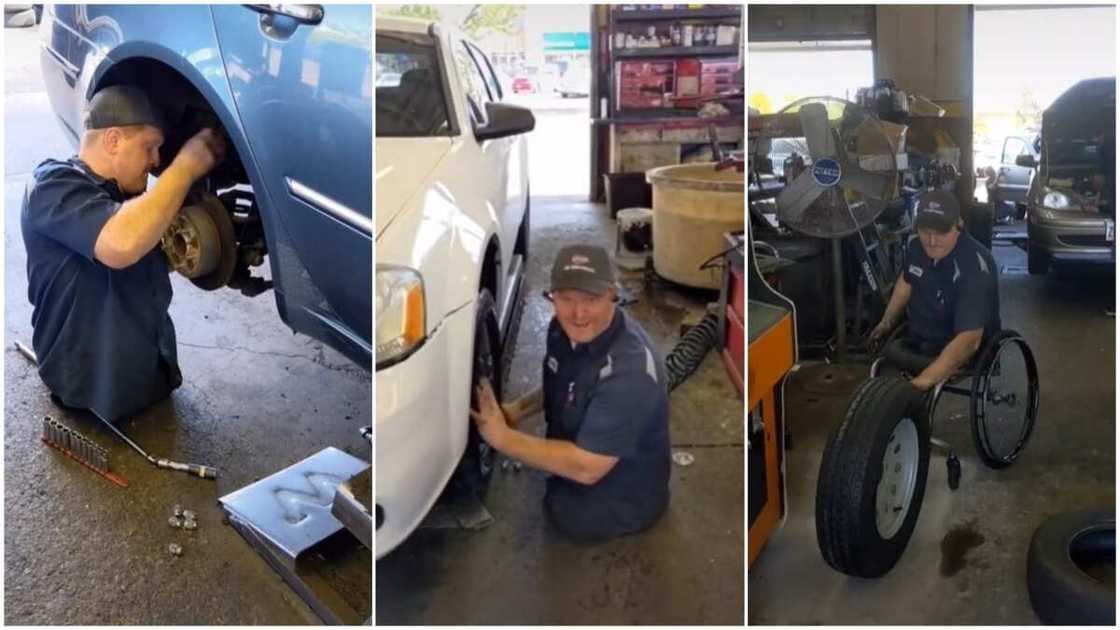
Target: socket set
[{"x": 79, "y": 448}]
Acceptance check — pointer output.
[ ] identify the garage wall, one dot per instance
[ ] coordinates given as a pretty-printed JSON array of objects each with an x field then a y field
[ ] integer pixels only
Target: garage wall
[
  {"x": 786, "y": 23},
  {"x": 927, "y": 49}
]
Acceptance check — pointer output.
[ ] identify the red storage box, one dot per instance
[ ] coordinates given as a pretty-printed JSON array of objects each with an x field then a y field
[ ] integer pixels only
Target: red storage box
[{"x": 644, "y": 84}]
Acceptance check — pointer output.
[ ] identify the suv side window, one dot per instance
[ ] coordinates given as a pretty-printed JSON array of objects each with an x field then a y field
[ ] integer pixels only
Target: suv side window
[
  {"x": 474, "y": 84},
  {"x": 1012, "y": 148}
]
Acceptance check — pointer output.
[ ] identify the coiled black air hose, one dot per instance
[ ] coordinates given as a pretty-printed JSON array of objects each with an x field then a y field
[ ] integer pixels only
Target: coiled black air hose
[{"x": 690, "y": 351}]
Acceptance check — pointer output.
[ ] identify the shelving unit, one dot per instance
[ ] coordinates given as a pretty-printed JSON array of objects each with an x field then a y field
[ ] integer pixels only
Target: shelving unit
[
  {"x": 649, "y": 108},
  {"x": 677, "y": 51},
  {"x": 702, "y": 13}
]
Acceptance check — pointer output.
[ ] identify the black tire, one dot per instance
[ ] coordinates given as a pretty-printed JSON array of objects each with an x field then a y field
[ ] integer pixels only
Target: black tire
[
  {"x": 477, "y": 466},
  {"x": 523, "y": 234},
  {"x": 1061, "y": 591},
  {"x": 848, "y": 532},
  {"x": 1038, "y": 263},
  {"x": 1006, "y": 341}
]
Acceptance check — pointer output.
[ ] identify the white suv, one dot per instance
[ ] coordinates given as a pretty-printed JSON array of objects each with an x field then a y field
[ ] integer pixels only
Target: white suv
[{"x": 452, "y": 214}]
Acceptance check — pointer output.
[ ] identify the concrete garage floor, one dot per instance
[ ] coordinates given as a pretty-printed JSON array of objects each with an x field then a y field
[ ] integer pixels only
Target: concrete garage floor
[
  {"x": 255, "y": 399},
  {"x": 688, "y": 569},
  {"x": 966, "y": 562}
]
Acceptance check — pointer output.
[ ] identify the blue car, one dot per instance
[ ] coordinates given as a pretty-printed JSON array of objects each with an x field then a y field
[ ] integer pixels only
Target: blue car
[{"x": 291, "y": 86}]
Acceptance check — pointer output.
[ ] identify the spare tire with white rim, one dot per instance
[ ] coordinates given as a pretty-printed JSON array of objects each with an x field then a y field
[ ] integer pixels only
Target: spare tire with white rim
[{"x": 873, "y": 478}]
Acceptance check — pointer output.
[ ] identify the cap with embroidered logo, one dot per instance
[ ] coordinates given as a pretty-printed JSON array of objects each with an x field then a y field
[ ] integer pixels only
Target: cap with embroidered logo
[
  {"x": 937, "y": 210},
  {"x": 584, "y": 267}
]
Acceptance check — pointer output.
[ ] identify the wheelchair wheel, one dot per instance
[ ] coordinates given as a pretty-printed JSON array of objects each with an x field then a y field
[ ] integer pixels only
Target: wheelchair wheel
[
  {"x": 1004, "y": 401},
  {"x": 873, "y": 478}
]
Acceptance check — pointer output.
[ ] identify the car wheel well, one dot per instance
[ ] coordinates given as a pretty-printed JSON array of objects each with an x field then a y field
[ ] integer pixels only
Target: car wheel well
[
  {"x": 184, "y": 109},
  {"x": 491, "y": 263}
]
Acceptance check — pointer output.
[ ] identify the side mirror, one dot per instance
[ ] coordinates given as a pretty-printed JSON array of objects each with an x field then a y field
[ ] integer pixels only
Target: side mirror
[
  {"x": 505, "y": 120},
  {"x": 1026, "y": 160}
]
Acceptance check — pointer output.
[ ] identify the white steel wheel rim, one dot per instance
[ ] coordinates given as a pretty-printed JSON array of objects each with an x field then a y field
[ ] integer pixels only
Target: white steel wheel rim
[{"x": 898, "y": 480}]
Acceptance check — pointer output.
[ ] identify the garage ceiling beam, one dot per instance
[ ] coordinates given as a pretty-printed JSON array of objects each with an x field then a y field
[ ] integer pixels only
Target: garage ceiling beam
[
  {"x": 792, "y": 23},
  {"x": 1034, "y": 7}
]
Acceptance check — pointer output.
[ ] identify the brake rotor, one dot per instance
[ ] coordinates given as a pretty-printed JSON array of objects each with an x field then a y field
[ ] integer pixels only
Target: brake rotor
[{"x": 200, "y": 242}]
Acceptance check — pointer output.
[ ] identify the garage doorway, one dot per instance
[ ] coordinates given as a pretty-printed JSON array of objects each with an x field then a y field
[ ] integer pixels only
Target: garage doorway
[
  {"x": 1016, "y": 78},
  {"x": 782, "y": 72},
  {"x": 542, "y": 57}
]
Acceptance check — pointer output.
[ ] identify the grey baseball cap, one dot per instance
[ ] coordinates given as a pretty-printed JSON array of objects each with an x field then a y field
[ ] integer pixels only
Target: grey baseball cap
[
  {"x": 121, "y": 106},
  {"x": 937, "y": 210},
  {"x": 584, "y": 267}
]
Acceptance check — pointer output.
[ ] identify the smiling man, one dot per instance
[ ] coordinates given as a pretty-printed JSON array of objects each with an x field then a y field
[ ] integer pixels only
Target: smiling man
[
  {"x": 949, "y": 289},
  {"x": 606, "y": 407},
  {"x": 96, "y": 276}
]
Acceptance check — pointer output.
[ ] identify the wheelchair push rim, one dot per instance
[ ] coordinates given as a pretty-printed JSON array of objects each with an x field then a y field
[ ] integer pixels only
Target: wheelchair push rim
[{"x": 993, "y": 400}]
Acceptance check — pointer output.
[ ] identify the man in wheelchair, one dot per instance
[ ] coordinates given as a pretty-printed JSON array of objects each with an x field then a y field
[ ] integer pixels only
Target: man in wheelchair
[{"x": 950, "y": 293}]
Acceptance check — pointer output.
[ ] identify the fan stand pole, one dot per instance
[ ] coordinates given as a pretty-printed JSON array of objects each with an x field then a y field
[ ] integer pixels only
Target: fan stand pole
[{"x": 838, "y": 299}]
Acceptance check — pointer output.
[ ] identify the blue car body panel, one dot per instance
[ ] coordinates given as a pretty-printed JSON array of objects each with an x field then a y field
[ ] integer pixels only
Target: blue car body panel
[{"x": 296, "y": 102}]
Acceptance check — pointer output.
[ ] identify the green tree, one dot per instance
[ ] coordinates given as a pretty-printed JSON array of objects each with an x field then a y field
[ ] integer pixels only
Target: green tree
[
  {"x": 761, "y": 102},
  {"x": 420, "y": 11},
  {"x": 498, "y": 18}
]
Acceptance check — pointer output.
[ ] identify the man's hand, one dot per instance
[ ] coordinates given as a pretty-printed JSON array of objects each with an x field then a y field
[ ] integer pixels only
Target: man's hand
[
  {"x": 512, "y": 412},
  {"x": 922, "y": 384},
  {"x": 878, "y": 335},
  {"x": 489, "y": 417},
  {"x": 201, "y": 153}
]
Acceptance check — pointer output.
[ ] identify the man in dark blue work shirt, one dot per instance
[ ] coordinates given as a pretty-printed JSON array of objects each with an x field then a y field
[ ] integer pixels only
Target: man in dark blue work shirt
[
  {"x": 606, "y": 406},
  {"x": 96, "y": 276},
  {"x": 949, "y": 289}
]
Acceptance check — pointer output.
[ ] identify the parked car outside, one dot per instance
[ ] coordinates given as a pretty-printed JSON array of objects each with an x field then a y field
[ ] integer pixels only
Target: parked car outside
[
  {"x": 291, "y": 87},
  {"x": 452, "y": 241},
  {"x": 1072, "y": 199},
  {"x": 389, "y": 79},
  {"x": 782, "y": 149},
  {"x": 1013, "y": 178},
  {"x": 523, "y": 85},
  {"x": 576, "y": 82}
]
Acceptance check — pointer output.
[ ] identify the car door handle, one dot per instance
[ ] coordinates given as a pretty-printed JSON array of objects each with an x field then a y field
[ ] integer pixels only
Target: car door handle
[{"x": 302, "y": 13}]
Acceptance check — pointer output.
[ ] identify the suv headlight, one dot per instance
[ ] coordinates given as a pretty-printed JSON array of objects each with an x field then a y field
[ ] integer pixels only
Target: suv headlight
[
  {"x": 1056, "y": 200},
  {"x": 400, "y": 313}
]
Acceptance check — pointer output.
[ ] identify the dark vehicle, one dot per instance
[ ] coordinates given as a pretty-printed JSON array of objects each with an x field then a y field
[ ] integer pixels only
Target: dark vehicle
[
  {"x": 1072, "y": 199},
  {"x": 292, "y": 88}
]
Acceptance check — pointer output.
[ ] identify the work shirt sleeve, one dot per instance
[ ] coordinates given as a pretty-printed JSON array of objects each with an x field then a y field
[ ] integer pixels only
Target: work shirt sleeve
[
  {"x": 616, "y": 414},
  {"x": 974, "y": 302},
  {"x": 71, "y": 210}
]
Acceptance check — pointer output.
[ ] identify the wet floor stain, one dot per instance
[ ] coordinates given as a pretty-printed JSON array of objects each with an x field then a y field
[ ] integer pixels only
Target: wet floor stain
[{"x": 955, "y": 547}]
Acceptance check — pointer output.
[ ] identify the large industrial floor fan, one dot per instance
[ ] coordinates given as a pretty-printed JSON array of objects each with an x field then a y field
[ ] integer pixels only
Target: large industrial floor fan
[{"x": 845, "y": 185}]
